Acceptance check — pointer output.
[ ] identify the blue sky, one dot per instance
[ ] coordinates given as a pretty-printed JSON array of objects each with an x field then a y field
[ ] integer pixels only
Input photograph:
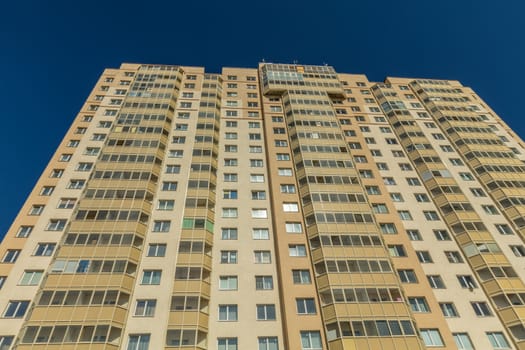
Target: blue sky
[{"x": 52, "y": 52}]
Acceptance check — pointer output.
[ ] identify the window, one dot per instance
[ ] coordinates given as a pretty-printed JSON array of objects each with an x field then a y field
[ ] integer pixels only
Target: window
[
  {"x": 504, "y": 229},
  {"x": 311, "y": 340},
  {"x": 71, "y": 143},
  {"x": 481, "y": 308},
  {"x": 260, "y": 233},
  {"x": 414, "y": 235},
  {"x": 76, "y": 184},
  {"x": 412, "y": 181},
  {"x": 44, "y": 249},
  {"x": 389, "y": 181},
  {"x": 305, "y": 306},
  {"x": 441, "y": 235},
  {"x": 396, "y": 250},
  {"x": 498, "y": 340},
  {"x": 448, "y": 309},
  {"x": 287, "y": 188},
  {"x": 284, "y": 171},
  {"x": 16, "y": 308},
  {"x": 388, "y": 228},
  {"x": 289, "y": 207},
  {"x": 228, "y": 282},
  {"x": 229, "y": 194},
  {"x": 175, "y": 153},
  {"x": 407, "y": 276},
  {"x": 161, "y": 226},
  {"x": 230, "y": 148},
  {"x": 418, "y": 304},
  {"x": 405, "y": 215},
  {"x": 256, "y": 178},
  {"x": 145, "y": 307},
  {"x": 56, "y": 173},
  {"x": 301, "y": 277},
  {"x": 490, "y": 209},
  {"x": 151, "y": 277},
  {"x": 518, "y": 250},
  {"x": 463, "y": 341},
  {"x": 256, "y": 163},
  {"x": 169, "y": 186},
  {"x": 297, "y": 250},
  {"x": 254, "y": 136},
  {"x": 56, "y": 225},
  {"x": 138, "y": 342},
  {"x": 372, "y": 190},
  {"x": 66, "y": 203},
  {"x": 466, "y": 176},
  {"x": 259, "y": 213},
  {"x": 466, "y": 281},
  {"x": 266, "y": 312},
  {"x": 263, "y": 282},
  {"x": 379, "y": 208},
  {"x": 294, "y": 227},
  {"x": 230, "y": 162},
  {"x": 424, "y": 256},
  {"x": 230, "y": 177},
  {"x": 31, "y": 278},
  {"x": 36, "y": 209},
  {"x": 229, "y": 213},
  {"x": 255, "y": 149},
  {"x": 6, "y": 341},
  {"x": 227, "y": 343},
  {"x": 431, "y": 337},
  {"x": 422, "y": 197},
  {"x": 66, "y": 157},
  {"x": 11, "y": 255},
  {"x": 283, "y": 156},
  {"x": 84, "y": 166},
  {"x": 453, "y": 257},
  {"x": 229, "y": 233},
  {"x": 24, "y": 231},
  {"x": 98, "y": 137},
  {"x": 165, "y": 204},
  {"x": 157, "y": 249},
  {"x": 47, "y": 190},
  {"x": 228, "y": 257},
  {"x": 456, "y": 161},
  {"x": 262, "y": 257},
  {"x": 228, "y": 312},
  {"x": 431, "y": 215},
  {"x": 436, "y": 282},
  {"x": 268, "y": 343},
  {"x": 478, "y": 192}
]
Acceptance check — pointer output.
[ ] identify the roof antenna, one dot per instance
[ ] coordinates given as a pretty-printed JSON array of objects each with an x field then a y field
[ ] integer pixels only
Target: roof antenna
[
  {"x": 263, "y": 60},
  {"x": 294, "y": 61}
]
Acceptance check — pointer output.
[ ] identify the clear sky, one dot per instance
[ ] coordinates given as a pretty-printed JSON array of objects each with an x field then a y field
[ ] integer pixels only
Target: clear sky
[{"x": 52, "y": 52}]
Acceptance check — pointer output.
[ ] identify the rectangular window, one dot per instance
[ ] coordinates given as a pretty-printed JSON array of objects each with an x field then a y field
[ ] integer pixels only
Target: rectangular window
[
  {"x": 407, "y": 276},
  {"x": 297, "y": 250},
  {"x": 161, "y": 226},
  {"x": 230, "y": 177},
  {"x": 66, "y": 203},
  {"x": 448, "y": 309},
  {"x": 169, "y": 186},
  {"x": 24, "y": 231},
  {"x": 498, "y": 340},
  {"x": 228, "y": 312},
  {"x": 138, "y": 342},
  {"x": 287, "y": 188},
  {"x": 16, "y": 308},
  {"x": 263, "y": 282},
  {"x": 305, "y": 306},
  {"x": 227, "y": 343},
  {"x": 481, "y": 308},
  {"x": 462, "y": 341},
  {"x": 31, "y": 278},
  {"x": 44, "y": 249},
  {"x": 259, "y": 213},
  {"x": 260, "y": 233},
  {"x": 228, "y": 257},
  {"x": 418, "y": 304},
  {"x": 47, "y": 190},
  {"x": 289, "y": 207},
  {"x": 266, "y": 312},
  {"x": 56, "y": 225},
  {"x": 436, "y": 282},
  {"x": 157, "y": 249},
  {"x": 256, "y": 178},
  {"x": 230, "y": 212},
  {"x": 431, "y": 337},
  {"x": 229, "y": 194},
  {"x": 466, "y": 281},
  {"x": 311, "y": 340},
  {"x": 165, "y": 204},
  {"x": 36, "y": 209},
  {"x": 151, "y": 277},
  {"x": 145, "y": 307},
  {"x": 229, "y": 233},
  {"x": 262, "y": 257},
  {"x": 228, "y": 283},
  {"x": 301, "y": 277},
  {"x": 268, "y": 343}
]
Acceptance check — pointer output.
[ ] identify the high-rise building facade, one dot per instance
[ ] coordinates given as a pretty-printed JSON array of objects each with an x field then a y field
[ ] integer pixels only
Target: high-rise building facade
[{"x": 284, "y": 207}]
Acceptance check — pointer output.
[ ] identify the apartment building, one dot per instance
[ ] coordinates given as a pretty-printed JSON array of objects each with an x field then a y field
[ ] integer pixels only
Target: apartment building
[{"x": 271, "y": 208}]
